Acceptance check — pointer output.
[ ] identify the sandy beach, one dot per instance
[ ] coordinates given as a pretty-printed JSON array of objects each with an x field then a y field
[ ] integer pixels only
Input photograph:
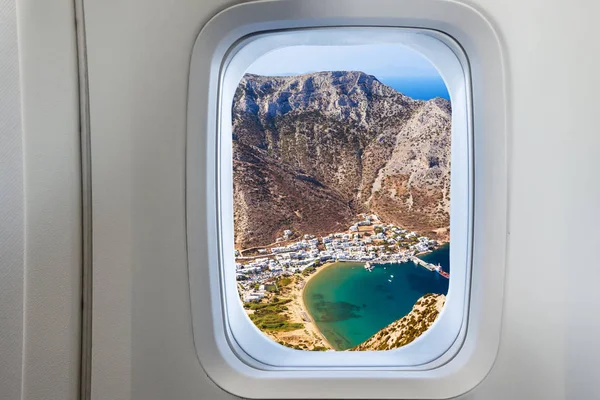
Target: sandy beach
[
  {"x": 303, "y": 305},
  {"x": 310, "y": 336}
]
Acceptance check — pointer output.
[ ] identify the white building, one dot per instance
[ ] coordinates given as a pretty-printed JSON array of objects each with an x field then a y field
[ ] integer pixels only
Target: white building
[{"x": 250, "y": 297}]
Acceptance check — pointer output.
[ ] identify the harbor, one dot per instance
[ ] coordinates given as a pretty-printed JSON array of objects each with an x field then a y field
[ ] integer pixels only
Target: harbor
[{"x": 370, "y": 266}]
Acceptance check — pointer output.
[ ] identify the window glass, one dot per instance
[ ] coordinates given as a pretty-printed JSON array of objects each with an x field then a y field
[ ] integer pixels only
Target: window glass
[{"x": 341, "y": 195}]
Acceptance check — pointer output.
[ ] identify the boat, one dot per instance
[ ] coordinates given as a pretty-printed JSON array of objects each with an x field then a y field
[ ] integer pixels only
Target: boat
[
  {"x": 369, "y": 267},
  {"x": 391, "y": 276},
  {"x": 389, "y": 280}
]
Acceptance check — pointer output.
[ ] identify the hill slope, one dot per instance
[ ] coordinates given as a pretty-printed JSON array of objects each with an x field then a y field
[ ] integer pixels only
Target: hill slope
[
  {"x": 408, "y": 328},
  {"x": 312, "y": 151}
]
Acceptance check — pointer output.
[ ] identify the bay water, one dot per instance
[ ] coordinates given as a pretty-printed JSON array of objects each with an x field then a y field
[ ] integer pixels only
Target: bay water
[{"x": 350, "y": 304}]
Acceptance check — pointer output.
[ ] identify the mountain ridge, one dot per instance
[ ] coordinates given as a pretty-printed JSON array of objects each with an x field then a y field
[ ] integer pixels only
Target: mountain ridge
[{"x": 312, "y": 151}]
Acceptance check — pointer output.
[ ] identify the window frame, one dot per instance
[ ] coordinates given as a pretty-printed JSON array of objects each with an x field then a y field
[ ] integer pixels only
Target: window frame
[
  {"x": 433, "y": 346},
  {"x": 475, "y": 355}
]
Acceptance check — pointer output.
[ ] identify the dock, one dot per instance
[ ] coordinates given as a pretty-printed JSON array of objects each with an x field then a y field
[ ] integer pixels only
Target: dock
[
  {"x": 431, "y": 267},
  {"x": 422, "y": 263}
]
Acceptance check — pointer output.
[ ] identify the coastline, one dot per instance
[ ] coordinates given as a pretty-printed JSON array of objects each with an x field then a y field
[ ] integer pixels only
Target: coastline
[
  {"x": 302, "y": 303},
  {"x": 301, "y": 292},
  {"x": 438, "y": 247},
  {"x": 425, "y": 252},
  {"x": 310, "y": 335}
]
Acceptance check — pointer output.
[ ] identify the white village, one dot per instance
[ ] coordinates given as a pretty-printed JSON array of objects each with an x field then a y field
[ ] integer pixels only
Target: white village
[{"x": 369, "y": 241}]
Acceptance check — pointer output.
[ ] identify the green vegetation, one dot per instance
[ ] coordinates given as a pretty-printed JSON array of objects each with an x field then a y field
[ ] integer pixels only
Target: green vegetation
[
  {"x": 274, "y": 322},
  {"x": 272, "y": 288},
  {"x": 291, "y": 346},
  {"x": 286, "y": 280},
  {"x": 302, "y": 346},
  {"x": 308, "y": 271},
  {"x": 270, "y": 316},
  {"x": 272, "y": 305}
]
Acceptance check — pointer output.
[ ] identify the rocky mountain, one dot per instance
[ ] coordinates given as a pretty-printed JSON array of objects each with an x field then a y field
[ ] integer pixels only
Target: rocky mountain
[
  {"x": 409, "y": 327},
  {"x": 310, "y": 152}
]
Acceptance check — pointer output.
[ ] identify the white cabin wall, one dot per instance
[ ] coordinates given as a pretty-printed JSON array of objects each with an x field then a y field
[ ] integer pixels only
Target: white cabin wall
[
  {"x": 52, "y": 203},
  {"x": 138, "y": 54},
  {"x": 40, "y": 239},
  {"x": 547, "y": 348},
  {"x": 142, "y": 334},
  {"x": 11, "y": 207}
]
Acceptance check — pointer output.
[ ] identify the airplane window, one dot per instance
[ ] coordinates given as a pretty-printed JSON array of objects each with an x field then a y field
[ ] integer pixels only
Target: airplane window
[
  {"x": 346, "y": 199},
  {"x": 343, "y": 169},
  {"x": 341, "y": 195}
]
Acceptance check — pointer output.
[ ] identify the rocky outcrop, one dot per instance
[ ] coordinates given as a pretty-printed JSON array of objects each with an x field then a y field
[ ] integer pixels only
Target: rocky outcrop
[
  {"x": 312, "y": 151},
  {"x": 408, "y": 328}
]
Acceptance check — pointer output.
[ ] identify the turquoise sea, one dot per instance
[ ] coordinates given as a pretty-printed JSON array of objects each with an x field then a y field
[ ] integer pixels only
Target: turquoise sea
[{"x": 350, "y": 304}]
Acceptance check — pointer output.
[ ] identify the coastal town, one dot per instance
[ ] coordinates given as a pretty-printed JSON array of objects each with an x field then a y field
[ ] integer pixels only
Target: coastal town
[
  {"x": 271, "y": 279},
  {"x": 369, "y": 240}
]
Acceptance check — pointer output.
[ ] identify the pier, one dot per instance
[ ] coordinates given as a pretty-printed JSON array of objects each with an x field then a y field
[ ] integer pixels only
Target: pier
[
  {"x": 370, "y": 264},
  {"x": 431, "y": 267}
]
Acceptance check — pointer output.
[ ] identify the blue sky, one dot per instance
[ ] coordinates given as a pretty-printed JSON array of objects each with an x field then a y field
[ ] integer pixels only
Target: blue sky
[{"x": 397, "y": 66}]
